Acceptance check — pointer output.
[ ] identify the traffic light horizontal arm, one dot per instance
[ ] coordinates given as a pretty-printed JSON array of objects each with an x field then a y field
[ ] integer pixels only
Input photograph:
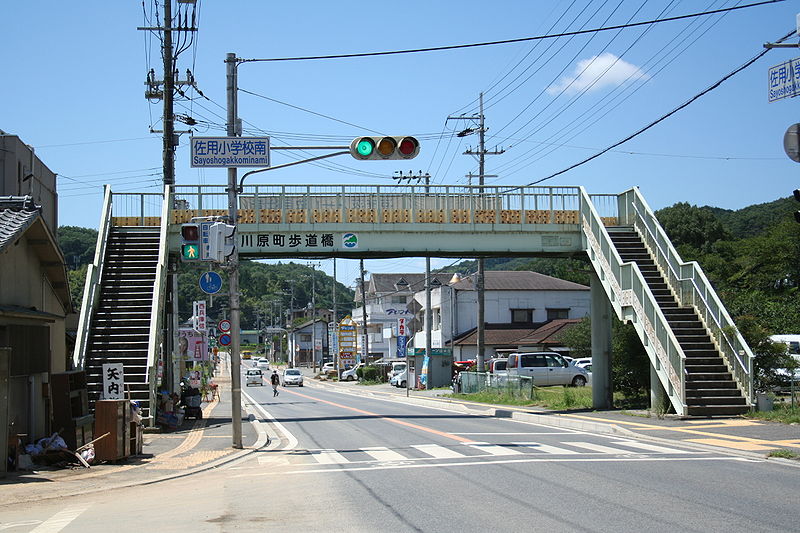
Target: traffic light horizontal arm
[
  {"x": 309, "y": 148},
  {"x": 241, "y": 181}
]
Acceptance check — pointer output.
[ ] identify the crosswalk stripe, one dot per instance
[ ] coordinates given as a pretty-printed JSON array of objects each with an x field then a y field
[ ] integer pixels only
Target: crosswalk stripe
[
  {"x": 649, "y": 447},
  {"x": 381, "y": 453},
  {"x": 546, "y": 448},
  {"x": 60, "y": 520},
  {"x": 328, "y": 457},
  {"x": 493, "y": 449},
  {"x": 439, "y": 452},
  {"x": 599, "y": 448}
]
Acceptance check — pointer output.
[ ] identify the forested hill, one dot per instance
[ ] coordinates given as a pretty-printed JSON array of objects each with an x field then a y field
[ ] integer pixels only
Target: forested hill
[{"x": 752, "y": 220}]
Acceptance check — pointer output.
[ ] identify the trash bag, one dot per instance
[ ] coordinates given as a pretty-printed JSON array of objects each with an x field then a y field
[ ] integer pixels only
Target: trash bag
[{"x": 88, "y": 454}]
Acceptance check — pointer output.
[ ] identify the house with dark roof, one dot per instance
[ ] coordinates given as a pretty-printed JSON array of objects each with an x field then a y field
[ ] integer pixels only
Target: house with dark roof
[
  {"x": 517, "y": 304},
  {"x": 34, "y": 303}
]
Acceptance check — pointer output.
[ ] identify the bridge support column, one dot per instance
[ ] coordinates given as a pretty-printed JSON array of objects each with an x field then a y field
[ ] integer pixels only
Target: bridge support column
[
  {"x": 658, "y": 396},
  {"x": 601, "y": 346}
]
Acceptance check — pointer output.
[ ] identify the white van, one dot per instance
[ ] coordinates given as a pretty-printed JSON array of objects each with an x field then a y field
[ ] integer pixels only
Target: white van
[
  {"x": 546, "y": 368},
  {"x": 397, "y": 368}
]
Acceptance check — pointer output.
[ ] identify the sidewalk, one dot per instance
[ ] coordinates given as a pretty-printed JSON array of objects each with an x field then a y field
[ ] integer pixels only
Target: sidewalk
[
  {"x": 196, "y": 446},
  {"x": 738, "y": 435}
]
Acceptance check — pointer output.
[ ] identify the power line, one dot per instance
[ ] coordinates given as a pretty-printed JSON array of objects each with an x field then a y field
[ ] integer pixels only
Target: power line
[
  {"x": 664, "y": 117},
  {"x": 510, "y": 41}
]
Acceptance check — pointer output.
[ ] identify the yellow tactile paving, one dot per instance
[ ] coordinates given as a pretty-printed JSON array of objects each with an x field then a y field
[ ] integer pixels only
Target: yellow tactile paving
[
  {"x": 192, "y": 439},
  {"x": 746, "y": 446},
  {"x": 193, "y": 459}
]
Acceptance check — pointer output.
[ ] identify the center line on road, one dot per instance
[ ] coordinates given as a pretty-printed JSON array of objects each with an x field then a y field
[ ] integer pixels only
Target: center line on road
[{"x": 387, "y": 418}]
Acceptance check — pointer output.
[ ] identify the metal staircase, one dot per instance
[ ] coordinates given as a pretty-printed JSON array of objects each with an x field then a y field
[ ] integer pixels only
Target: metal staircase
[
  {"x": 123, "y": 299},
  {"x": 710, "y": 388},
  {"x": 120, "y": 327}
]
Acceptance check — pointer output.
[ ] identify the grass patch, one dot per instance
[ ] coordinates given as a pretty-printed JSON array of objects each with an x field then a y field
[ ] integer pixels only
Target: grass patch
[
  {"x": 560, "y": 398},
  {"x": 784, "y": 454},
  {"x": 369, "y": 382},
  {"x": 784, "y": 414}
]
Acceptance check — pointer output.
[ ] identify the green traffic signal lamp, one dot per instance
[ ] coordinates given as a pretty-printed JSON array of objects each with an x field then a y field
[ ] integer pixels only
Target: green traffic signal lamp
[
  {"x": 384, "y": 148},
  {"x": 190, "y": 245}
]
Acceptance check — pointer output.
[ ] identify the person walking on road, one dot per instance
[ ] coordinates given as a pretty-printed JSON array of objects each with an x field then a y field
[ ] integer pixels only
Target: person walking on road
[{"x": 275, "y": 380}]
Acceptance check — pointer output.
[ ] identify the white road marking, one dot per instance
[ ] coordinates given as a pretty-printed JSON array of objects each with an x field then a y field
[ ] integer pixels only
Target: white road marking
[
  {"x": 436, "y": 451},
  {"x": 60, "y": 520},
  {"x": 599, "y": 448},
  {"x": 649, "y": 447},
  {"x": 525, "y": 433},
  {"x": 493, "y": 449},
  {"x": 328, "y": 457},
  {"x": 291, "y": 443},
  {"x": 381, "y": 453},
  {"x": 546, "y": 448}
]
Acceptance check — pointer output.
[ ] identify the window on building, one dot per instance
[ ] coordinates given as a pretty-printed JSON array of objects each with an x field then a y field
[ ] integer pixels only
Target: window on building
[
  {"x": 399, "y": 299},
  {"x": 521, "y": 316},
  {"x": 553, "y": 314},
  {"x": 305, "y": 337}
]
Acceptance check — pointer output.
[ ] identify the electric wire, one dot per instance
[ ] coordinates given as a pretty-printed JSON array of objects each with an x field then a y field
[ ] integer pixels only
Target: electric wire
[{"x": 509, "y": 41}]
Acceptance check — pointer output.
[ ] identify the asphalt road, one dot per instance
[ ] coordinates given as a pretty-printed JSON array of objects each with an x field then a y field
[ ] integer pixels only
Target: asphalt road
[{"x": 350, "y": 463}]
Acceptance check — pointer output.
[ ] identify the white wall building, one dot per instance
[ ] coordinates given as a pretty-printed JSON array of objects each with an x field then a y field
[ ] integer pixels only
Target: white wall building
[{"x": 513, "y": 298}]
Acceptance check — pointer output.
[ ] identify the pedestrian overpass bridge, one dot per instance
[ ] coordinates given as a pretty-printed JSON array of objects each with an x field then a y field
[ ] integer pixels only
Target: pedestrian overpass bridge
[{"x": 700, "y": 363}]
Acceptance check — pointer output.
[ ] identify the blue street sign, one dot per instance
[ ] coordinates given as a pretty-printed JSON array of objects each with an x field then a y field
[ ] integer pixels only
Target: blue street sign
[
  {"x": 401, "y": 345},
  {"x": 210, "y": 282},
  {"x": 225, "y": 339}
]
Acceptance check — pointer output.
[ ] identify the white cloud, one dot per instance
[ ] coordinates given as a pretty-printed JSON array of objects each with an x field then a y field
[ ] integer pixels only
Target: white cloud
[{"x": 597, "y": 72}]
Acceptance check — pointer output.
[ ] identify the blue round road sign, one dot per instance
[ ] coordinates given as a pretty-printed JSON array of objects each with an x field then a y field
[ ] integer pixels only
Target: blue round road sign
[
  {"x": 225, "y": 340},
  {"x": 210, "y": 282}
]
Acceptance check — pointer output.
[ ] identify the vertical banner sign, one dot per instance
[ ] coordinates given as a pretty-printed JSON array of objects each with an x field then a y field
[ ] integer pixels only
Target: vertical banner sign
[
  {"x": 423, "y": 376},
  {"x": 192, "y": 346},
  {"x": 113, "y": 381},
  {"x": 347, "y": 342},
  {"x": 401, "y": 345},
  {"x": 201, "y": 317},
  {"x": 401, "y": 327}
]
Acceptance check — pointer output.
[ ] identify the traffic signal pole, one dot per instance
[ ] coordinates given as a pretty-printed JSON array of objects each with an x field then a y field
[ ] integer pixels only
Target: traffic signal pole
[{"x": 233, "y": 272}]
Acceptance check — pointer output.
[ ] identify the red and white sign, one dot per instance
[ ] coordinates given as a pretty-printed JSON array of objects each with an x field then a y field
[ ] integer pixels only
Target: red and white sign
[
  {"x": 401, "y": 327},
  {"x": 224, "y": 326},
  {"x": 201, "y": 316}
]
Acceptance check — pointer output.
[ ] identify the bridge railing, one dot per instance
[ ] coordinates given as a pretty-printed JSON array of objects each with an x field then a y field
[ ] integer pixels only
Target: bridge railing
[
  {"x": 137, "y": 209},
  {"x": 692, "y": 288},
  {"x": 91, "y": 289},
  {"x": 627, "y": 288},
  {"x": 348, "y": 204}
]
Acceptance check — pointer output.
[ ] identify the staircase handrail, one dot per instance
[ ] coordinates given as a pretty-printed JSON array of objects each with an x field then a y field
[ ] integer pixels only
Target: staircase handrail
[
  {"x": 703, "y": 297},
  {"x": 91, "y": 288},
  {"x": 159, "y": 292},
  {"x": 631, "y": 289}
]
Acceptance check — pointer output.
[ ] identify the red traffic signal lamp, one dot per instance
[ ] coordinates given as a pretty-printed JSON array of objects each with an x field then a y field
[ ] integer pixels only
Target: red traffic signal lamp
[{"x": 384, "y": 148}]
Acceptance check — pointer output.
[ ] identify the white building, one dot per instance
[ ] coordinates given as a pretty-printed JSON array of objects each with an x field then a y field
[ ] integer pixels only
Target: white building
[
  {"x": 512, "y": 300},
  {"x": 388, "y": 296}
]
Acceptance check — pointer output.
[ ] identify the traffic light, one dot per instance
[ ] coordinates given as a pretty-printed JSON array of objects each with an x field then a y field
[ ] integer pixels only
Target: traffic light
[
  {"x": 796, "y": 194},
  {"x": 221, "y": 241},
  {"x": 377, "y": 148},
  {"x": 190, "y": 245}
]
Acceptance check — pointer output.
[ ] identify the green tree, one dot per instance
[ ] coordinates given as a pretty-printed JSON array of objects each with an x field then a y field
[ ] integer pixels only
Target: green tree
[
  {"x": 77, "y": 244},
  {"x": 690, "y": 225}
]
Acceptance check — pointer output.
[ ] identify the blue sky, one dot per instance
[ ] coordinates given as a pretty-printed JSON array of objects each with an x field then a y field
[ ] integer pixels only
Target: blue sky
[{"x": 75, "y": 75}]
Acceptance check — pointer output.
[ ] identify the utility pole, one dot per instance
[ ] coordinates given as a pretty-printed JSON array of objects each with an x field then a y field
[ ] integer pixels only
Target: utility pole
[
  {"x": 233, "y": 270},
  {"x": 480, "y": 277},
  {"x": 169, "y": 87},
  {"x": 314, "y": 316},
  {"x": 428, "y": 320},
  {"x": 364, "y": 311},
  {"x": 335, "y": 321}
]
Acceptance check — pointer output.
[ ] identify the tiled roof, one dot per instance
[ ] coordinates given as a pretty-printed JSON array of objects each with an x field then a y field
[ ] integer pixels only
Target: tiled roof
[
  {"x": 382, "y": 283},
  {"x": 519, "y": 280},
  {"x": 17, "y": 213},
  {"x": 503, "y": 335}
]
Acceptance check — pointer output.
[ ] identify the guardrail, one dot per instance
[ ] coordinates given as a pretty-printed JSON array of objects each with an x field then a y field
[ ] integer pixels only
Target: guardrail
[
  {"x": 691, "y": 287},
  {"x": 627, "y": 287},
  {"x": 277, "y": 204},
  {"x": 91, "y": 289},
  {"x": 517, "y": 387},
  {"x": 155, "y": 337}
]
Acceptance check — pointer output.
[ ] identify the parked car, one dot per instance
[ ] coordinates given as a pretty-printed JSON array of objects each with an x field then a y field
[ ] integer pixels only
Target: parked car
[
  {"x": 292, "y": 376},
  {"x": 327, "y": 367},
  {"x": 546, "y": 368},
  {"x": 582, "y": 362},
  {"x": 498, "y": 371},
  {"x": 263, "y": 363},
  {"x": 253, "y": 376},
  {"x": 350, "y": 374},
  {"x": 397, "y": 368},
  {"x": 399, "y": 380}
]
